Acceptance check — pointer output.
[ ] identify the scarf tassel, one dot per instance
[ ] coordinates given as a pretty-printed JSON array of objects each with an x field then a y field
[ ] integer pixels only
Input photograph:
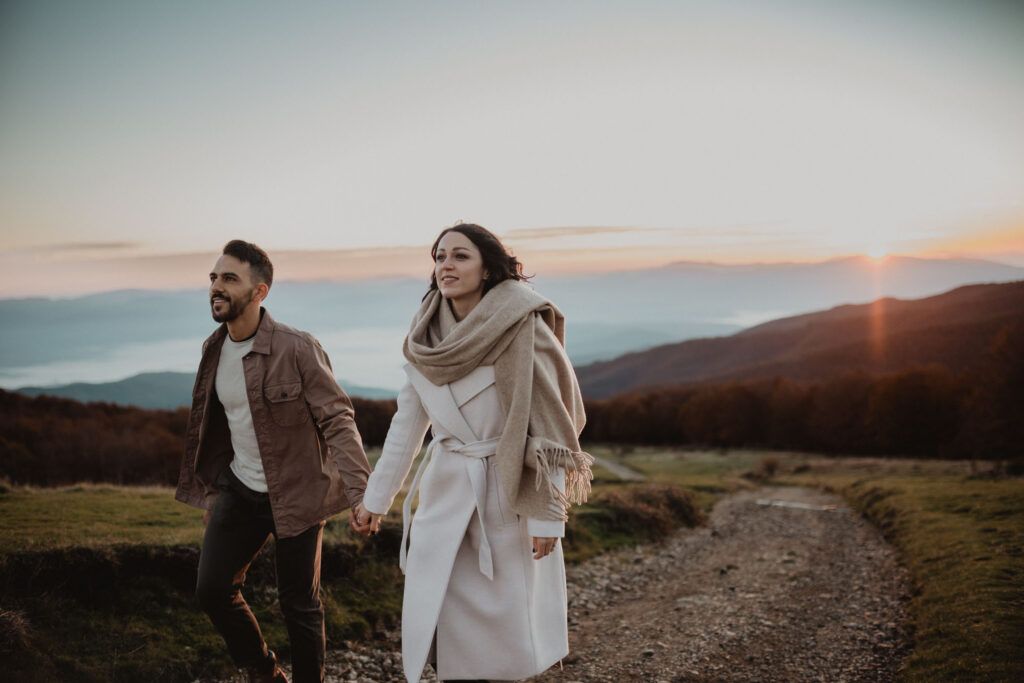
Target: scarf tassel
[{"x": 578, "y": 473}]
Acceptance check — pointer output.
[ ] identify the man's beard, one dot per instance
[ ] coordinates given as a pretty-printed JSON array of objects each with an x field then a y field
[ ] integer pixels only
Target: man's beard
[{"x": 235, "y": 308}]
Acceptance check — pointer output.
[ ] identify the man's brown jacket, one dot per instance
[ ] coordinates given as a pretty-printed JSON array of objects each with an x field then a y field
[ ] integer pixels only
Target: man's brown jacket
[{"x": 312, "y": 453}]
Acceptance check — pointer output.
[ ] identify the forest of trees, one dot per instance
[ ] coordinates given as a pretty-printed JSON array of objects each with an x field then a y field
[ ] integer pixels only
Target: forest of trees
[
  {"x": 925, "y": 412},
  {"x": 47, "y": 441}
]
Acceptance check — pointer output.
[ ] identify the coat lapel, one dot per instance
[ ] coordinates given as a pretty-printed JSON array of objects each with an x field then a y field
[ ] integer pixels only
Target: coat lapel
[
  {"x": 466, "y": 388},
  {"x": 440, "y": 404}
]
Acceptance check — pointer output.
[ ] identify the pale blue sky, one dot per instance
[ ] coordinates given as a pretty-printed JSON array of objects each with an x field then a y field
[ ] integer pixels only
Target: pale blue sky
[{"x": 723, "y": 130}]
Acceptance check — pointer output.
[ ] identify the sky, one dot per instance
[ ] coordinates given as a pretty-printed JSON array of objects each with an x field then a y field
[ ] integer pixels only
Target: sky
[{"x": 137, "y": 137}]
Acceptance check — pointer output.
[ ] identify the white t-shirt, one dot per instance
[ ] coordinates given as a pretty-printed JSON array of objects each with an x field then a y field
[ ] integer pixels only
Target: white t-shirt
[{"x": 230, "y": 384}]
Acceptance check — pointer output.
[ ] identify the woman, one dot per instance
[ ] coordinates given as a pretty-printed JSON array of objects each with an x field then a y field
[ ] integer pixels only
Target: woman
[{"x": 485, "y": 579}]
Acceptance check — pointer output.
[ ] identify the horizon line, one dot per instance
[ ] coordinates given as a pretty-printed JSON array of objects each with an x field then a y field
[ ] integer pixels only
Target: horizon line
[{"x": 593, "y": 269}]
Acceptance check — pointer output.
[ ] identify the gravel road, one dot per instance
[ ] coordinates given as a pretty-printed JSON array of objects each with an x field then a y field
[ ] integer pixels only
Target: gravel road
[
  {"x": 799, "y": 590},
  {"x": 783, "y": 584}
]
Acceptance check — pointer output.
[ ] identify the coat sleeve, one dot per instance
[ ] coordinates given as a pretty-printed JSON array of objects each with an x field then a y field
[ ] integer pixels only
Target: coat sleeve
[
  {"x": 549, "y": 528},
  {"x": 402, "y": 444},
  {"x": 332, "y": 410}
]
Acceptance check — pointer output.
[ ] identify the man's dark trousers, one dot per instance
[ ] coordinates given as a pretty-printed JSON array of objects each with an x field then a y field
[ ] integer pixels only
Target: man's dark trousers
[{"x": 240, "y": 524}]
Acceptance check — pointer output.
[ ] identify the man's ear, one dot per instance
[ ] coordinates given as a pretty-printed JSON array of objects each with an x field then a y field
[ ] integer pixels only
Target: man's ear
[{"x": 262, "y": 291}]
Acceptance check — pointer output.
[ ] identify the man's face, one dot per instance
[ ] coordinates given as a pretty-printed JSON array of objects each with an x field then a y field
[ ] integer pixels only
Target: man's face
[{"x": 231, "y": 288}]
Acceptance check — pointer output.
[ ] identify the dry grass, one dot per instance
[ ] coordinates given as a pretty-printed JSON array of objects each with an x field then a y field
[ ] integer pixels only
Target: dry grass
[
  {"x": 959, "y": 527},
  {"x": 960, "y": 532}
]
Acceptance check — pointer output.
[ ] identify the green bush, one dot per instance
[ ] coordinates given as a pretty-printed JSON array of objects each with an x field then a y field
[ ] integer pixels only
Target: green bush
[{"x": 628, "y": 515}]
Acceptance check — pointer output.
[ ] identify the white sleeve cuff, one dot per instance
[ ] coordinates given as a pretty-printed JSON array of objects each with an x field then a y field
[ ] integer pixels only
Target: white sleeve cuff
[
  {"x": 545, "y": 528},
  {"x": 376, "y": 500}
]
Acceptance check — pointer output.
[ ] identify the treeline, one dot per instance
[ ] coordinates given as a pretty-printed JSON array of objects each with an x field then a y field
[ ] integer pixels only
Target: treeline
[
  {"x": 924, "y": 412},
  {"x": 47, "y": 441}
]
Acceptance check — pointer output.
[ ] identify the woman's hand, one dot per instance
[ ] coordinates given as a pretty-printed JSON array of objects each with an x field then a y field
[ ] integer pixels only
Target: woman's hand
[
  {"x": 364, "y": 522},
  {"x": 542, "y": 546}
]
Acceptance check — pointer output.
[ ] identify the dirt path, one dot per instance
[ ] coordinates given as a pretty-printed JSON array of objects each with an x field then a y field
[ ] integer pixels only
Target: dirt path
[
  {"x": 767, "y": 592},
  {"x": 783, "y": 584},
  {"x": 619, "y": 470}
]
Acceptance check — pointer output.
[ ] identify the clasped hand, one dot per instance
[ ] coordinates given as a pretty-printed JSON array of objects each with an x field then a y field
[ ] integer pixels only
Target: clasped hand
[{"x": 364, "y": 522}]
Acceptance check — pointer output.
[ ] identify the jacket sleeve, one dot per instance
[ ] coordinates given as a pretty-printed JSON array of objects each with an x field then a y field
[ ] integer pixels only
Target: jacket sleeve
[
  {"x": 402, "y": 444},
  {"x": 332, "y": 410},
  {"x": 190, "y": 489}
]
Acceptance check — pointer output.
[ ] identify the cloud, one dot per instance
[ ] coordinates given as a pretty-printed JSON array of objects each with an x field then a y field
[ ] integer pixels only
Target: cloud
[
  {"x": 70, "y": 248},
  {"x": 770, "y": 230},
  {"x": 569, "y": 231}
]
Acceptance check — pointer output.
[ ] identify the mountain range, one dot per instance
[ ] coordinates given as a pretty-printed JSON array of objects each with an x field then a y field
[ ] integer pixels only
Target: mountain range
[
  {"x": 954, "y": 330},
  {"x": 158, "y": 390},
  {"x": 102, "y": 338}
]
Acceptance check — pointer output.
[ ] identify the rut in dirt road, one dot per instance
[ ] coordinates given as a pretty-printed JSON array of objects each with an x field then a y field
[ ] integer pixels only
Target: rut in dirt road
[{"x": 784, "y": 584}]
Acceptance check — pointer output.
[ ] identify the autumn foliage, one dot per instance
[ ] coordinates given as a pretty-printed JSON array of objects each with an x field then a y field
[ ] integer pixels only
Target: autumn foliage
[
  {"x": 923, "y": 412},
  {"x": 49, "y": 441}
]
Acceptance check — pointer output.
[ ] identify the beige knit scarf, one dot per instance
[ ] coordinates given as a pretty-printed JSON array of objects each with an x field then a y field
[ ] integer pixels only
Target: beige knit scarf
[{"x": 522, "y": 335}]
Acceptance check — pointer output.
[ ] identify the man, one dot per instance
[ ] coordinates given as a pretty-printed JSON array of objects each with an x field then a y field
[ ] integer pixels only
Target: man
[{"x": 271, "y": 449}]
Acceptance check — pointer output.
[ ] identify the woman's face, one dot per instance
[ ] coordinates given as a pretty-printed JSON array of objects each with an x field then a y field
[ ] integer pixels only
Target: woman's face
[{"x": 458, "y": 267}]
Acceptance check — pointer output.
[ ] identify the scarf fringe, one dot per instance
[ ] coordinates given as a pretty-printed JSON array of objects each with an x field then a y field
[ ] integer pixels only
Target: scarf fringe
[{"x": 578, "y": 473}]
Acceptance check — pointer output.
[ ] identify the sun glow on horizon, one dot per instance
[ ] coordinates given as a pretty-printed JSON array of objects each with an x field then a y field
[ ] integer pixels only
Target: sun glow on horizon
[{"x": 878, "y": 254}]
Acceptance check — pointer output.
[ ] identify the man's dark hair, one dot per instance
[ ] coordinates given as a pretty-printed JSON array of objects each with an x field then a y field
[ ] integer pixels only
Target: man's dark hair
[{"x": 259, "y": 263}]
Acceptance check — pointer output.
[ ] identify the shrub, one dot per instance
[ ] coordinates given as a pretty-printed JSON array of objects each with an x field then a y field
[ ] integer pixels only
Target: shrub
[{"x": 629, "y": 515}]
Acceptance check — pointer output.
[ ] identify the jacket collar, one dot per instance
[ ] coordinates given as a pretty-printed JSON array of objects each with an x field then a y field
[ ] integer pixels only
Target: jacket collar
[
  {"x": 260, "y": 343},
  {"x": 264, "y": 333}
]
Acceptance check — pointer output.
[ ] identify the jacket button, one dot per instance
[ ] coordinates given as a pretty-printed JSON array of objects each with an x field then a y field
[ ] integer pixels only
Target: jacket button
[{"x": 284, "y": 395}]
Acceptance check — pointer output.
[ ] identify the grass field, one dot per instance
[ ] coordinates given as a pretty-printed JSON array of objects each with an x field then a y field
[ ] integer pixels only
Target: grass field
[
  {"x": 95, "y": 580},
  {"x": 103, "y": 515}
]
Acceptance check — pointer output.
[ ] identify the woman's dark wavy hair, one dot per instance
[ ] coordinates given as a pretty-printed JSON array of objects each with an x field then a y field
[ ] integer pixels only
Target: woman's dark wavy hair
[{"x": 498, "y": 262}]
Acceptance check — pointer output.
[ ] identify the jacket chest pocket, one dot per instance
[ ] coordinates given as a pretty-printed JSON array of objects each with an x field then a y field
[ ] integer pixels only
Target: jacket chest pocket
[{"x": 287, "y": 408}]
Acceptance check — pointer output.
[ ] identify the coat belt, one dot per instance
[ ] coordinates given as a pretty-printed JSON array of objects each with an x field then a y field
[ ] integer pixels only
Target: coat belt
[{"x": 476, "y": 454}]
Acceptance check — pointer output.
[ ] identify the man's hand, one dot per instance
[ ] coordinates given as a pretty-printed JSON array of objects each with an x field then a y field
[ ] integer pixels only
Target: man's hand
[
  {"x": 542, "y": 547},
  {"x": 364, "y": 522}
]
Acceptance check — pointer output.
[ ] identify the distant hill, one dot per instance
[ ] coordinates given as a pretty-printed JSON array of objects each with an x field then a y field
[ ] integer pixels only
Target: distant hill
[
  {"x": 888, "y": 335},
  {"x": 103, "y": 337},
  {"x": 158, "y": 390},
  {"x": 691, "y": 300}
]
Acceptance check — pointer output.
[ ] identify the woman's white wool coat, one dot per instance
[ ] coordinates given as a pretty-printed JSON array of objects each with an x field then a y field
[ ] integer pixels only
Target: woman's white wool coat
[{"x": 508, "y": 627}]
